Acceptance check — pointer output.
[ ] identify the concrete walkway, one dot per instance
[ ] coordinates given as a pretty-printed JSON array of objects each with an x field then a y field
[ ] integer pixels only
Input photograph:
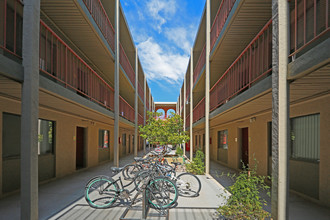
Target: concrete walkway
[{"x": 64, "y": 199}]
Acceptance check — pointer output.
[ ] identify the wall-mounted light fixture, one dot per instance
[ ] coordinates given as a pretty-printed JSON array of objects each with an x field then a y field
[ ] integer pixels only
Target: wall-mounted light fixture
[{"x": 253, "y": 119}]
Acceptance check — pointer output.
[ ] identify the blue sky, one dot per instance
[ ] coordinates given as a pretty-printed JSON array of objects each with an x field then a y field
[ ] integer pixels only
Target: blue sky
[{"x": 164, "y": 31}]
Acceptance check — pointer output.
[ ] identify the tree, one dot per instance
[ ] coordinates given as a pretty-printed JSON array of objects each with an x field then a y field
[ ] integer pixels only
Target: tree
[{"x": 164, "y": 131}]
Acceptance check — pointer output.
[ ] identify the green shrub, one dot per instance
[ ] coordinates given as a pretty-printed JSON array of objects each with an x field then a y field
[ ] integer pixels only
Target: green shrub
[
  {"x": 244, "y": 201},
  {"x": 178, "y": 151},
  {"x": 197, "y": 165}
]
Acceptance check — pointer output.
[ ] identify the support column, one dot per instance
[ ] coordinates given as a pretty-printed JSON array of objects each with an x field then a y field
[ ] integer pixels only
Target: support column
[
  {"x": 207, "y": 88},
  {"x": 191, "y": 102},
  {"x": 144, "y": 111},
  {"x": 184, "y": 111},
  {"x": 280, "y": 113},
  {"x": 116, "y": 132},
  {"x": 150, "y": 106},
  {"x": 30, "y": 110},
  {"x": 136, "y": 103}
]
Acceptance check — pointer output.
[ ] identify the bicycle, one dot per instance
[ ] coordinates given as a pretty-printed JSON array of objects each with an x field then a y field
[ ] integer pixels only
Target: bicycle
[{"x": 102, "y": 191}]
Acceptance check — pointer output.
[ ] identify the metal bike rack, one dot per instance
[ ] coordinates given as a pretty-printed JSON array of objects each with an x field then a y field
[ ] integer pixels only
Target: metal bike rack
[{"x": 145, "y": 207}]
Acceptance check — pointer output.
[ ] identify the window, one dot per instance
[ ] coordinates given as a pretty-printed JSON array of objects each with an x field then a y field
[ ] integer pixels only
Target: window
[
  {"x": 222, "y": 139},
  {"x": 305, "y": 137},
  {"x": 46, "y": 137},
  {"x": 11, "y": 135},
  {"x": 104, "y": 138}
]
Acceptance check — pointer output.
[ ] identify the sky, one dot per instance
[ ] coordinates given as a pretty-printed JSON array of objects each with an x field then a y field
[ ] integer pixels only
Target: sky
[{"x": 164, "y": 32}]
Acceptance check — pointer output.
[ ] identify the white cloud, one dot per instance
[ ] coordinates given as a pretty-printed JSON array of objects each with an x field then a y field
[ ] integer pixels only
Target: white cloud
[
  {"x": 181, "y": 36},
  {"x": 161, "y": 11},
  {"x": 160, "y": 65}
]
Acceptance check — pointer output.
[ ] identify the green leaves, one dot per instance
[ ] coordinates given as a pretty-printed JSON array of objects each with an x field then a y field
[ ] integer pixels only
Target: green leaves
[
  {"x": 164, "y": 131},
  {"x": 197, "y": 166},
  {"x": 245, "y": 202}
]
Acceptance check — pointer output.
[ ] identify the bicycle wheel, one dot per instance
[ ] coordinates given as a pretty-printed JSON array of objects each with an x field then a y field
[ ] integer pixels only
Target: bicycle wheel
[
  {"x": 161, "y": 193},
  {"x": 101, "y": 192},
  {"x": 188, "y": 185},
  {"x": 129, "y": 171},
  {"x": 141, "y": 178}
]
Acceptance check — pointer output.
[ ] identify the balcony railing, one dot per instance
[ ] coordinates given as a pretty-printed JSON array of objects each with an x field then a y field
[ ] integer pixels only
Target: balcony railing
[
  {"x": 124, "y": 62},
  {"x": 188, "y": 88},
  {"x": 199, "y": 110},
  {"x": 11, "y": 24},
  {"x": 252, "y": 65},
  {"x": 309, "y": 21},
  {"x": 141, "y": 92},
  {"x": 140, "y": 120},
  {"x": 188, "y": 120},
  {"x": 220, "y": 20},
  {"x": 125, "y": 110},
  {"x": 60, "y": 63},
  {"x": 200, "y": 64},
  {"x": 147, "y": 103},
  {"x": 102, "y": 20}
]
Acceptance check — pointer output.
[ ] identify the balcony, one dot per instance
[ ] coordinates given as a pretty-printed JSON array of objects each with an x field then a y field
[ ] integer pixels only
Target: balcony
[
  {"x": 254, "y": 63},
  {"x": 141, "y": 92},
  {"x": 124, "y": 62},
  {"x": 199, "y": 111},
  {"x": 11, "y": 28},
  {"x": 101, "y": 18},
  {"x": 309, "y": 22},
  {"x": 61, "y": 64},
  {"x": 125, "y": 110},
  {"x": 200, "y": 64},
  {"x": 220, "y": 20},
  {"x": 188, "y": 121},
  {"x": 140, "y": 120}
]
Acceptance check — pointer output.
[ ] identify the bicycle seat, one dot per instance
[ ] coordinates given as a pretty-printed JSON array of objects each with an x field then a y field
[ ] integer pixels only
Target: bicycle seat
[
  {"x": 116, "y": 169},
  {"x": 176, "y": 163}
]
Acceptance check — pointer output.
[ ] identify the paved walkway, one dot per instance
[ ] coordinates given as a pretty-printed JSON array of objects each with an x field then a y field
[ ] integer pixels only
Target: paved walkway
[{"x": 64, "y": 199}]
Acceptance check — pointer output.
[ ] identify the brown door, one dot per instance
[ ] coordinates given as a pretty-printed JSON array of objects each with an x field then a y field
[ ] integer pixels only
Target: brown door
[
  {"x": 245, "y": 146},
  {"x": 80, "y": 147}
]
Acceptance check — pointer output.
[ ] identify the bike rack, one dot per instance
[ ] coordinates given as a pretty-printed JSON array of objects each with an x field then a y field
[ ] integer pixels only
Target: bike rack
[{"x": 145, "y": 207}]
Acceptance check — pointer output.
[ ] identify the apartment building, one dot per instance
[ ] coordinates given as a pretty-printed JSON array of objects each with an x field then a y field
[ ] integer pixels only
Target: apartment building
[
  {"x": 230, "y": 94},
  {"x": 86, "y": 79}
]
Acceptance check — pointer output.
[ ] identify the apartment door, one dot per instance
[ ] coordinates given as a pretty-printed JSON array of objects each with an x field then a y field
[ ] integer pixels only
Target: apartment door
[
  {"x": 245, "y": 146},
  {"x": 80, "y": 148}
]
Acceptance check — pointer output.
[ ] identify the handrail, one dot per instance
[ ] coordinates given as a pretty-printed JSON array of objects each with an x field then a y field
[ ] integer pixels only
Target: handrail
[
  {"x": 200, "y": 63},
  {"x": 103, "y": 22},
  {"x": 126, "y": 110},
  {"x": 12, "y": 49},
  {"x": 199, "y": 110},
  {"x": 308, "y": 31},
  {"x": 220, "y": 19},
  {"x": 251, "y": 65},
  {"x": 140, "y": 90},
  {"x": 60, "y": 62},
  {"x": 125, "y": 63}
]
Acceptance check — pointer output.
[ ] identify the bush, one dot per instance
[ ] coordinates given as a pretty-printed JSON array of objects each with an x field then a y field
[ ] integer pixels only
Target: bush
[
  {"x": 179, "y": 151},
  {"x": 197, "y": 166},
  {"x": 244, "y": 201}
]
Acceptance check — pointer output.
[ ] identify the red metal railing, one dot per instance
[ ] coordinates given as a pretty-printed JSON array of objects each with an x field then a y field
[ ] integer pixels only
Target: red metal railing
[
  {"x": 188, "y": 87},
  {"x": 58, "y": 61},
  {"x": 140, "y": 91},
  {"x": 200, "y": 64},
  {"x": 124, "y": 61},
  {"x": 188, "y": 121},
  {"x": 12, "y": 27},
  {"x": 102, "y": 20},
  {"x": 125, "y": 110},
  {"x": 199, "y": 110},
  {"x": 140, "y": 120},
  {"x": 309, "y": 21},
  {"x": 251, "y": 65},
  {"x": 220, "y": 19},
  {"x": 147, "y": 103}
]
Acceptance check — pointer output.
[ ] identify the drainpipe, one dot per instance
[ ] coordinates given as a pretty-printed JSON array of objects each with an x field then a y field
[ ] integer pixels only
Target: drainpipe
[{"x": 136, "y": 102}]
